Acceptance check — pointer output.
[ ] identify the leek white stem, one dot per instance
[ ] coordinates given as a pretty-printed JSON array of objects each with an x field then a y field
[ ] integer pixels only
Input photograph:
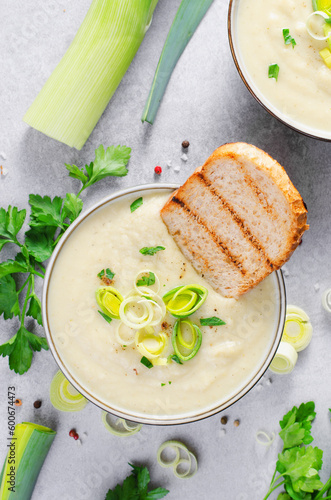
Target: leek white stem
[{"x": 78, "y": 91}]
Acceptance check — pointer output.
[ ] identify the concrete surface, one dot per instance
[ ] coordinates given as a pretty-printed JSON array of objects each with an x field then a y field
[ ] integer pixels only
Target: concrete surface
[{"x": 206, "y": 103}]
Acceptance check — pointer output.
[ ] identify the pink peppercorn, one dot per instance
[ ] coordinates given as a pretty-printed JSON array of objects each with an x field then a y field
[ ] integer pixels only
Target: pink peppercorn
[
  {"x": 158, "y": 170},
  {"x": 76, "y": 437}
]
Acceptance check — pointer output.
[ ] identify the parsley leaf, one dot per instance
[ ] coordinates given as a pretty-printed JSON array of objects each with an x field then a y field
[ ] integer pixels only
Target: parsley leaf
[
  {"x": 107, "y": 273},
  {"x": 72, "y": 207},
  {"x": 46, "y": 212},
  {"x": 11, "y": 221},
  {"x": 40, "y": 242},
  {"x": 136, "y": 204},
  {"x": 151, "y": 250},
  {"x": 273, "y": 71},
  {"x": 135, "y": 487},
  {"x": 35, "y": 309},
  {"x": 147, "y": 280},
  {"x": 296, "y": 425},
  {"x": 213, "y": 321},
  {"x": 109, "y": 162},
  {"x": 9, "y": 305},
  {"x": 300, "y": 468},
  {"x": 287, "y": 38},
  {"x": 13, "y": 266}
]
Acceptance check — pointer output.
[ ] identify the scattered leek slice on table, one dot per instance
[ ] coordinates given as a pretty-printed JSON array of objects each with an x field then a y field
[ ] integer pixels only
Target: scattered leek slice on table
[
  {"x": 186, "y": 343},
  {"x": 284, "y": 360},
  {"x": 121, "y": 427},
  {"x": 79, "y": 89},
  {"x": 298, "y": 330},
  {"x": 64, "y": 396},
  {"x": 29, "y": 446},
  {"x": 183, "y": 301},
  {"x": 189, "y": 464},
  {"x": 187, "y": 19}
]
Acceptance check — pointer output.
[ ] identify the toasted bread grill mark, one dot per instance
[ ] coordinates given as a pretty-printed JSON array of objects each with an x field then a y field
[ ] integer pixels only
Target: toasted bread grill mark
[
  {"x": 214, "y": 237},
  {"x": 245, "y": 231}
]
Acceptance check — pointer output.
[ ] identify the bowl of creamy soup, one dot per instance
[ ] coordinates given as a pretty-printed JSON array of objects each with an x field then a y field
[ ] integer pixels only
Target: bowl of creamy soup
[
  {"x": 281, "y": 50},
  {"x": 116, "y": 265}
]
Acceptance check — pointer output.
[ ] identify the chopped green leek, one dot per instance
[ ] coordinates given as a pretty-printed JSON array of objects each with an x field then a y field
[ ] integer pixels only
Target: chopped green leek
[
  {"x": 188, "y": 17},
  {"x": 79, "y": 89},
  {"x": 28, "y": 448},
  {"x": 273, "y": 71},
  {"x": 287, "y": 38},
  {"x": 105, "y": 316},
  {"x": 109, "y": 300},
  {"x": 136, "y": 204},
  {"x": 186, "y": 349},
  {"x": 146, "y": 362},
  {"x": 183, "y": 301},
  {"x": 64, "y": 396}
]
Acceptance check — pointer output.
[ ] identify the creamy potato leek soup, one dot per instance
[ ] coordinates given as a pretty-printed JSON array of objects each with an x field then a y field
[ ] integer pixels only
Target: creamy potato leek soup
[
  {"x": 137, "y": 369},
  {"x": 302, "y": 89}
]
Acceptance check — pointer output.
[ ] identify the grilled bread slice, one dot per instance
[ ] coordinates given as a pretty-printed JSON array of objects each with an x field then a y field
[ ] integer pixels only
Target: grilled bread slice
[{"x": 237, "y": 218}]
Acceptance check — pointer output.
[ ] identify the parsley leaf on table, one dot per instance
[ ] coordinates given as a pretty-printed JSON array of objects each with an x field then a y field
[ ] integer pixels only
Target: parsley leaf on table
[
  {"x": 135, "y": 487},
  {"x": 109, "y": 162},
  {"x": 48, "y": 220}
]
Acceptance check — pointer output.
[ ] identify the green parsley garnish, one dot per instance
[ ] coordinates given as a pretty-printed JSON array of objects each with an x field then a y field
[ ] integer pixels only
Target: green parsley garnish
[
  {"x": 169, "y": 382},
  {"x": 145, "y": 361},
  {"x": 213, "y": 321},
  {"x": 175, "y": 358},
  {"x": 135, "y": 487},
  {"x": 151, "y": 250},
  {"x": 147, "y": 280},
  {"x": 48, "y": 221},
  {"x": 136, "y": 204},
  {"x": 107, "y": 273},
  {"x": 107, "y": 318},
  {"x": 287, "y": 38},
  {"x": 162, "y": 385},
  {"x": 273, "y": 71}
]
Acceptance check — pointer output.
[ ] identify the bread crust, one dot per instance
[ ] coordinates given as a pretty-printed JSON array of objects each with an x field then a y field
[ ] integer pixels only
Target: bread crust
[{"x": 254, "y": 165}]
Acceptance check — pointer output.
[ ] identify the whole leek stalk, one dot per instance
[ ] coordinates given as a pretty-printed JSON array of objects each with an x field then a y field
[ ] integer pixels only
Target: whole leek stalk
[
  {"x": 78, "y": 91},
  {"x": 27, "y": 452},
  {"x": 188, "y": 17}
]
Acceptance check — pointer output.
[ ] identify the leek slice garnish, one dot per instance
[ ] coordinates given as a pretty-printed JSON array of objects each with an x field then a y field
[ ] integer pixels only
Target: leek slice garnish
[
  {"x": 188, "y": 17},
  {"x": 138, "y": 312},
  {"x": 313, "y": 30},
  {"x": 183, "y": 467},
  {"x": 126, "y": 337},
  {"x": 183, "y": 352},
  {"x": 322, "y": 5},
  {"x": 121, "y": 427},
  {"x": 326, "y": 300},
  {"x": 30, "y": 444},
  {"x": 183, "y": 301},
  {"x": 189, "y": 332},
  {"x": 64, "y": 396},
  {"x": 79, "y": 89},
  {"x": 298, "y": 330},
  {"x": 109, "y": 300},
  {"x": 285, "y": 359},
  {"x": 149, "y": 344}
]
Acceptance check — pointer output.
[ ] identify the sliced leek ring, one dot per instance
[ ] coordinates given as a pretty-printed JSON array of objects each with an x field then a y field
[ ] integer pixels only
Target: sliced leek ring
[
  {"x": 183, "y": 301},
  {"x": 190, "y": 460},
  {"x": 121, "y": 427},
  {"x": 109, "y": 300},
  {"x": 126, "y": 338},
  {"x": 318, "y": 14},
  {"x": 64, "y": 396},
  {"x": 298, "y": 330},
  {"x": 326, "y": 300},
  {"x": 181, "y": 350},
  {"x": 149, "y": 344},
  {"x": 285, "y": 359}
]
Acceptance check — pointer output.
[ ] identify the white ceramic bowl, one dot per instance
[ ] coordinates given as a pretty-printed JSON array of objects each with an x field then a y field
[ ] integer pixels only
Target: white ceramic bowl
[
  {"x": 155, "y": 419},
  {"x": 254, "y": 89}
]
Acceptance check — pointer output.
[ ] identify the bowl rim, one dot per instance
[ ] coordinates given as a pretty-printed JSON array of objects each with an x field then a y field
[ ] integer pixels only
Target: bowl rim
[
  {"x": 127, "y": 414},
  {"x": 303, "y": 129}
]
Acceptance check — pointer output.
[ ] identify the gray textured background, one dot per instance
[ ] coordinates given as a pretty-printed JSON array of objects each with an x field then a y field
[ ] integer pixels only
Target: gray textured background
[{"x": 206, "y": 103}]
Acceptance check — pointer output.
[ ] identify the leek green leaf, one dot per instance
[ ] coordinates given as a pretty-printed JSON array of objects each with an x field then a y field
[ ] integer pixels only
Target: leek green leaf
[
  {"x": 188, "y": 17},
  {"x": 136, "y": 204}
]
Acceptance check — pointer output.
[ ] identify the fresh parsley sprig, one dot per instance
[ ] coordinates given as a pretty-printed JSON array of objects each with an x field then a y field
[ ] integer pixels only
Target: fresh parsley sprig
[
  {"x": 135, "y": 487},
  {"x": 49, "y": 219}
]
